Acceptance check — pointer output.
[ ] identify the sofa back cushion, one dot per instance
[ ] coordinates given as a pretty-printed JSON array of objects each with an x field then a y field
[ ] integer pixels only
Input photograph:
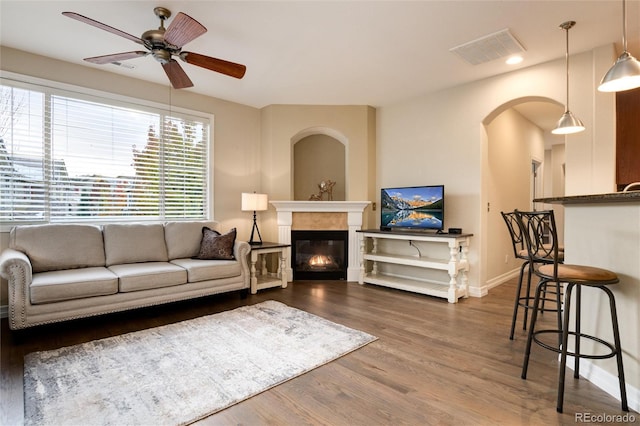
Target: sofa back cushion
[
  {"x": 56, "y": 247},
  {"x": 132, "y": 243},
  {"x": 183, "y": 238}
]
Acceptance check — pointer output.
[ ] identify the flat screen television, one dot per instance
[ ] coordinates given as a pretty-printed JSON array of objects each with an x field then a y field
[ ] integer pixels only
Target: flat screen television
[{"x": 412, "y": 208}]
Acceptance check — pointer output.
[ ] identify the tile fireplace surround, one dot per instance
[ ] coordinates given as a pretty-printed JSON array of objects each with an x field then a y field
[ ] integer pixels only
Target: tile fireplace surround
[{"x": 354, "y": 210}]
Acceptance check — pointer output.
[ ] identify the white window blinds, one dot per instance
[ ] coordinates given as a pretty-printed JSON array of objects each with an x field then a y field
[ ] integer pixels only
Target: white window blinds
[{"x": 70, "y": 157}]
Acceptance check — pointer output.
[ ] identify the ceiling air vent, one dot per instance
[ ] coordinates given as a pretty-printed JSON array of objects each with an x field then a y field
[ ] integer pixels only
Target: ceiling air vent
[
  {"x": 488, "y": 48},
  {"x": 123, "y": 65}
]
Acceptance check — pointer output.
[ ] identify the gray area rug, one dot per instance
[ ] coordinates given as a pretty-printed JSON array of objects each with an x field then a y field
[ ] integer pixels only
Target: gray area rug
[{"x": 180, "y": 373}]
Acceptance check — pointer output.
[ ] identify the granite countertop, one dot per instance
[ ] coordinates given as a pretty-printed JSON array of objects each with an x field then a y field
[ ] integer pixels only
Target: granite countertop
[{"x": 614, "y": 197}]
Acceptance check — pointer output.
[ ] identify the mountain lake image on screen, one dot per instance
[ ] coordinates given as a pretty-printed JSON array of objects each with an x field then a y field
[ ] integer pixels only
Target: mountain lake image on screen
[{"x": 414, "y": 207}]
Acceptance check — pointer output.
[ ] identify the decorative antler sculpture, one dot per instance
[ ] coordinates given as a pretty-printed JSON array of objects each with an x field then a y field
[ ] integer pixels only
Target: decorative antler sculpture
[{"x": 325, "y": 187}]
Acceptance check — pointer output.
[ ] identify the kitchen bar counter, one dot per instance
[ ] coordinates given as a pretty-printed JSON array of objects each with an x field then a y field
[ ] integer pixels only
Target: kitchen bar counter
[
  {"x": 614, "y": 197},
  {"x": 603, "y": 230}
]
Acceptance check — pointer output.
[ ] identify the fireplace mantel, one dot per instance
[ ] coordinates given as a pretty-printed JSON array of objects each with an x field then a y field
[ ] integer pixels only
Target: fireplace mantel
[
  {"x": 354, "y": 210},
  {"x": 321, "y": 206}
]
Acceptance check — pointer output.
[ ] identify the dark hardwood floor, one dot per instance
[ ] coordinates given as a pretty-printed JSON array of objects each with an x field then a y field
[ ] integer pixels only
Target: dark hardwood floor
[{"x": 434, "y": 362}]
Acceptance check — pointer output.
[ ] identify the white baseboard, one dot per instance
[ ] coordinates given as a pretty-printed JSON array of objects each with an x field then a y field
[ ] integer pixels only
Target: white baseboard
[
  {"x": 493, "y": 282},
  {"x": 4, "y": 311},
  {"x": 606, "y": 381},
  {"x": 478, "y": 291}
]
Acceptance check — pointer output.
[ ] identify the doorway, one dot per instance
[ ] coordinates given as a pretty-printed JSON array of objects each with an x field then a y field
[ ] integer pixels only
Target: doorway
[
  {"x": 536, "y": 183},
  {"x": 518, "y": 168}
]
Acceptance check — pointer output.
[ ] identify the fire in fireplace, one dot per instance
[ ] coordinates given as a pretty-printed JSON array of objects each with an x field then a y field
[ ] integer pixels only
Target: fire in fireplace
[
  {"x": 321, "y": 262},
  {"x": 319, "y": 255}
]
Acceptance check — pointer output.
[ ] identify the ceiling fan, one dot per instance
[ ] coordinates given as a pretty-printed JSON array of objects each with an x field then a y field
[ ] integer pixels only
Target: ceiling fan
[{"x": 163, "y": 44}]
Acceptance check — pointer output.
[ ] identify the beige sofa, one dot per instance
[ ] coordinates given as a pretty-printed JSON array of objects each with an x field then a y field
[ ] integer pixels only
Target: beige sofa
[{"x": 64, "y": 271}]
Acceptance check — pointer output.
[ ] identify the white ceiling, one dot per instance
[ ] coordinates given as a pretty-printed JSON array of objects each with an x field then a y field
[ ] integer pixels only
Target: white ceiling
[{"x": 322, "y": 52}]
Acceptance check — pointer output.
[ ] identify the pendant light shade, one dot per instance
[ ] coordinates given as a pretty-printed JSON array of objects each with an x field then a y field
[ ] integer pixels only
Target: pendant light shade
[
  {"x": 623, "y": 75},
  {"x": 568, "y": 123},
  {"x": 625, "y": 72}
]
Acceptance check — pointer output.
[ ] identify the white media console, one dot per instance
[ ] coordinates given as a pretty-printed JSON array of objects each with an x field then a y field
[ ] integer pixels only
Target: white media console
[{"x": 427, "y": 263}]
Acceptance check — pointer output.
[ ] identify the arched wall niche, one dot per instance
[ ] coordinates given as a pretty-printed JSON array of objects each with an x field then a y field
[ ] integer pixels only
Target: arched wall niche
[{"x": 318, "y": 154}]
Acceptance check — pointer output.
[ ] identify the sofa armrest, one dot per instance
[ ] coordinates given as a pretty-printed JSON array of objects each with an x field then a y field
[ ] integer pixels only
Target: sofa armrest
[
  {"x": 14, "y": 262},
  {"x": 15, "y": 267},
  {"x": 241, "y": 250}
]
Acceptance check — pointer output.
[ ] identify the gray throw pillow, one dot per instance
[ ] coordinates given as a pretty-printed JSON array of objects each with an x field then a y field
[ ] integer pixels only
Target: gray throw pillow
[{"x": 215, "y": 246}]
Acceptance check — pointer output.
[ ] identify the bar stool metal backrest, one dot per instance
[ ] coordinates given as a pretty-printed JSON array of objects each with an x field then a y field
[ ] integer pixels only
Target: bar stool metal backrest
[
  {"x": 519, "y": 252},
  {"x": 517, "y": 240},
  {"x": 540, "y": 248},
  {"x": 541, "y": 237}
]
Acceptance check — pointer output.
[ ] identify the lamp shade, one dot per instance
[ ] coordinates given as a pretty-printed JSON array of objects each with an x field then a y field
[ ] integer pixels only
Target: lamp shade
[
  {"x": 623, "y": 75},
  {"x": 568, "y": 124},
  {"x": 254, "y": 202}
]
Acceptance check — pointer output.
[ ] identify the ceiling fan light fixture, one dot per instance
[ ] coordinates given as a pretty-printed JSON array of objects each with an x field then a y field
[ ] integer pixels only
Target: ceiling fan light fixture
[
  {"x": 568, "y": 123},
  {"x": 161, "y": 55},
  {"x": 163, "y": 44}
]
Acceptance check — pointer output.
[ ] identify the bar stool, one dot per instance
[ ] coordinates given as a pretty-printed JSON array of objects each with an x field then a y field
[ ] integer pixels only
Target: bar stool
[
  {"x": 534, "y": 226},
  {"x": 520, "y": 252}
]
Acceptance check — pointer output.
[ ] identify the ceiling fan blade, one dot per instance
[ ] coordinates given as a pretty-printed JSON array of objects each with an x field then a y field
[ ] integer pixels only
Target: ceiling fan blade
[
  {"x": 102, "y": 26},
  {"x": 177, "y": 76},
  {"x": 182, "y": 29},
  {"x": 219, "y": 65},
  {"x": 116, "y": 57}
]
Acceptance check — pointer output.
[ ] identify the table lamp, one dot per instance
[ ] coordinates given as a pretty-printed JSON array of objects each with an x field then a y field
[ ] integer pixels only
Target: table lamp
[{"x": 254, "y": 202}]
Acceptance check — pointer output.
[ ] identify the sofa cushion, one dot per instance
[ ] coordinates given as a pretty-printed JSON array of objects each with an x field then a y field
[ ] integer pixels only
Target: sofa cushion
[
  {"x": 57, "y": 247},
  {"x": 203, "y": 270},
  {"x": 217, "y": 246},
  {"x": 143, "y": 276},
  {"x": 56, "y": 286},
  {"x": 183, "y": 238},
  {"x": 134, "y": 243}
]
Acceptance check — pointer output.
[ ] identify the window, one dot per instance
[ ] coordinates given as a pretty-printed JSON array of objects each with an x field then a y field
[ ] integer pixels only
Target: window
[{"x": 66, "y": 156}]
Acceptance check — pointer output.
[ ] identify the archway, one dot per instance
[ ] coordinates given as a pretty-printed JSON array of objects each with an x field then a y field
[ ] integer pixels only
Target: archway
[{"x": 517, "y": 137}]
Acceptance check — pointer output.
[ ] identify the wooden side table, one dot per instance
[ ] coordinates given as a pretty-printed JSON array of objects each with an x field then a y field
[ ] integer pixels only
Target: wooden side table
[{"x": 265, "y": 279}]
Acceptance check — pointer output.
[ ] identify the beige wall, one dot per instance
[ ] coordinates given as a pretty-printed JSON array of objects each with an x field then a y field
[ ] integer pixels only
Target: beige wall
[
  {"x": 554, "y": 183},
  {"x": 317, "y": 158},
  {"x": 440, "y": 139},
  {"x": 284, "y": 125},
  {"x": 513, "y": 141}
]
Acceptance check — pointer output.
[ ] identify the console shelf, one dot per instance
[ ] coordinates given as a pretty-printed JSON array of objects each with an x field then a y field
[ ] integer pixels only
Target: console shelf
[{"x": 374, "y": 259}]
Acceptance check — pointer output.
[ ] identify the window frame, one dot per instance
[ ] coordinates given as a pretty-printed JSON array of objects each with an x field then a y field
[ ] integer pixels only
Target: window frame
[{"x": 50, "y": 88}]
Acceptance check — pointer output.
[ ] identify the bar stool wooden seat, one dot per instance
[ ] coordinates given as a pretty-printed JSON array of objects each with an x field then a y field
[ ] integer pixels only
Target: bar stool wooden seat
[
  {"x": 534, "y": 226},
  {"x": 525, "y": 300}
]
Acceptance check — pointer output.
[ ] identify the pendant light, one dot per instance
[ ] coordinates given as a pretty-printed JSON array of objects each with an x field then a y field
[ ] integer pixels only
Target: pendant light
[
  {"x": 625, "y": 72},
  {"x": 568, "y": 123}
]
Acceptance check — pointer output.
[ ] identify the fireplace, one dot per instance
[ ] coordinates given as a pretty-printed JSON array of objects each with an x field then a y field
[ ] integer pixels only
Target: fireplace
[
  {"x": 350, "y": 212},
  {"x": 319, "y": 255}
]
